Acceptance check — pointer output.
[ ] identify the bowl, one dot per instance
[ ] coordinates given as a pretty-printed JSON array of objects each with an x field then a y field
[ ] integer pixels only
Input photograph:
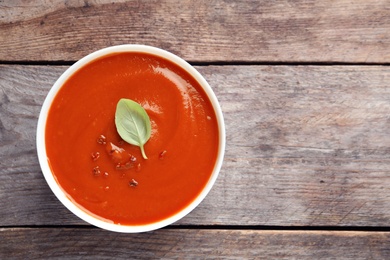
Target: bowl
[{"x": 51, "y": 179}]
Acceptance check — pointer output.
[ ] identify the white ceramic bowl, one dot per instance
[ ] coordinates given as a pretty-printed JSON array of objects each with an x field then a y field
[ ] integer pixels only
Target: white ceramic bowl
[{"x": 41, "y": 146}]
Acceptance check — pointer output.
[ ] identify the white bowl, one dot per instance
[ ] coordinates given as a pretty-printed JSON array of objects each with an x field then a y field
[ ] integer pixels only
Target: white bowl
[{"x": 41, "y": 146}]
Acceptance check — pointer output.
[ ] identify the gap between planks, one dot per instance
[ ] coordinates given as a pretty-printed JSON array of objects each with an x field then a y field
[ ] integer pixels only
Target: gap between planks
[
  {"x": 211, "y": 63},
  {"x": 225, "y": 227}
]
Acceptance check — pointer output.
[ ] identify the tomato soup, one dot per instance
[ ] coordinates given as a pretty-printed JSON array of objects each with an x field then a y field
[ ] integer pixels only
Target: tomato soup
[{"x": 107, "y": 177}]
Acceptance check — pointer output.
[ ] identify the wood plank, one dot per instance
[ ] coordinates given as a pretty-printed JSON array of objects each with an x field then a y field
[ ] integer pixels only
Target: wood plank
[
  {"x": 201, "y": 31},
  {"x": 306, "y": 146},
  {"x": 69, "y": 243}
]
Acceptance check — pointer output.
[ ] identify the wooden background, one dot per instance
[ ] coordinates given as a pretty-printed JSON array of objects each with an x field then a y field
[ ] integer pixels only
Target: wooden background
[{"x": 305, "y": 91}]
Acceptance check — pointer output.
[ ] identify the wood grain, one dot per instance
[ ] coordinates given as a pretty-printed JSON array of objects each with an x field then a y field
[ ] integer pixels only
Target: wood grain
[
  {"x": 306, "y": 146},
  {"x": 69, "y": 243},
  {"x": 201, "y": 31}
]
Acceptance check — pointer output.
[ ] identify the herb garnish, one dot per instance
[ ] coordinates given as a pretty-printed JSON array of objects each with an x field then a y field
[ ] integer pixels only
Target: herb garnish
[{"x": 133, "y": 123}]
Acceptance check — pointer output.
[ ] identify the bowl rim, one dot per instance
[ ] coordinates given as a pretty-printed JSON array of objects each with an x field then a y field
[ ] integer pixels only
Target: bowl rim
[{"x": 45, "y": 164}]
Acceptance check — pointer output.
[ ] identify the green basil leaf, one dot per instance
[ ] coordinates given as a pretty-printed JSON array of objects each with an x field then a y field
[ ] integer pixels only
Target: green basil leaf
[{"x": 132, "y": 123}]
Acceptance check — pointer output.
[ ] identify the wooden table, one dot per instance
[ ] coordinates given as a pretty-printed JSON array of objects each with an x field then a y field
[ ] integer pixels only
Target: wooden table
[{"x": 305, "y": 90}]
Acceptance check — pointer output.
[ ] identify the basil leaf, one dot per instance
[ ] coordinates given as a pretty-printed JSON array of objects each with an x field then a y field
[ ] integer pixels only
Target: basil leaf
[{"x": 132, "y": 123}]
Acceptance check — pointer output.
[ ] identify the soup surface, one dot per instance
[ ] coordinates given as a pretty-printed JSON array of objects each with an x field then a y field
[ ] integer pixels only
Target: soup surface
[{"x": 108, "y": 177}]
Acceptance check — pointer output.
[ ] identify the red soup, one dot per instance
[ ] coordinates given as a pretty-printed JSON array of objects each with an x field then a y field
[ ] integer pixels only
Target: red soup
[{"x": 108, "y": 177}]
